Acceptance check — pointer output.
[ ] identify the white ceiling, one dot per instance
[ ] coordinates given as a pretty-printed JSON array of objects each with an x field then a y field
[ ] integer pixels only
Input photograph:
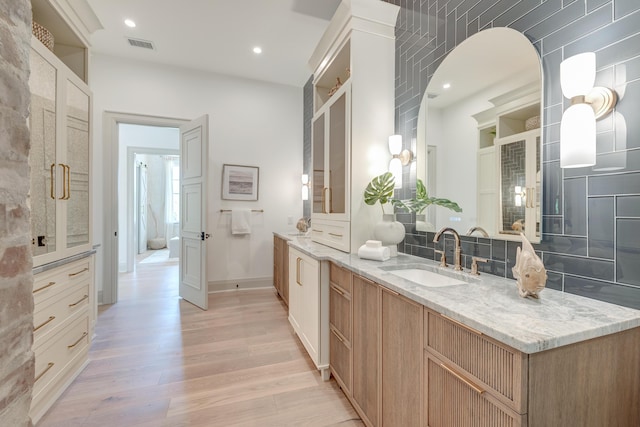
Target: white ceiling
[{"x": 218, "y": 35}]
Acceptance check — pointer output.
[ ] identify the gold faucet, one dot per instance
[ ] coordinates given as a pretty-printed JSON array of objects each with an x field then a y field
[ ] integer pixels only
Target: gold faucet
[{"x": 457, "y": 254}]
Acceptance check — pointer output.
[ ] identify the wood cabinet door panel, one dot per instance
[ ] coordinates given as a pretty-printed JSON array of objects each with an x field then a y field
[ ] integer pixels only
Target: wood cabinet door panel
[
  {"x": 340, "y": 359},
  {"x": 340, "y": 311},
  {"x": 402, "y": 349},
  {"x": 452, "y": 401},
  {"x": 496, "y": 366},
  {"x": 366, "y": 321}
]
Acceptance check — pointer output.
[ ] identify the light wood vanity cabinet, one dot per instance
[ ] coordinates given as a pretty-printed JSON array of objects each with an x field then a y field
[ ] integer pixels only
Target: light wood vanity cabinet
[
  {"x": 383, "y": 350},
  {"x": 471, "y": 379},
  {"x": 366, "y": 349},
  {"x": 281, "y": 268},
  {"x": 402, "y": 364},
  {"x": 465, "y": 369},
  {"x": 340, "y": 315}
]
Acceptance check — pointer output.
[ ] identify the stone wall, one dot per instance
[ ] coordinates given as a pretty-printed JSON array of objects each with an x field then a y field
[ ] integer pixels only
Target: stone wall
[{"x": 16, "y": 301}]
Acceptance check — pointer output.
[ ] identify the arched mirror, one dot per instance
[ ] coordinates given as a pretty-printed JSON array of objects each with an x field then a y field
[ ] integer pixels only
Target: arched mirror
[{"x": 479, "y": 137}]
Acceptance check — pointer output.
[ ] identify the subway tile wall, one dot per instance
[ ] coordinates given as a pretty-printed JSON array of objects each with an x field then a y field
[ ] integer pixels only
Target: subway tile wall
[{"x": 591, "y": 218}]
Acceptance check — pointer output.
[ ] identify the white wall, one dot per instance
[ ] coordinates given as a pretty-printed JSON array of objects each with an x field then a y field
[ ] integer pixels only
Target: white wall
[{"x": 251, "y": 123}]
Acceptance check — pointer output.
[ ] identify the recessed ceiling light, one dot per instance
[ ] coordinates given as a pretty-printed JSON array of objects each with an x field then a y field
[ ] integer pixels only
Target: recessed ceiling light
[
  {"x": 446, "y": 86},
  {"x": 129, "y": 23},
  {"x": 257, "y": 50}
]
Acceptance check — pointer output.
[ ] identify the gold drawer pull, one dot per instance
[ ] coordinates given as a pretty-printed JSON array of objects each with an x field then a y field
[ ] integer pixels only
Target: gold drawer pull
[
  {"x": 49, "y": 320},
  {"x": 337, "y": 290},
  {"x": 462, "y": 325},
  {"x": 79, "y": 301},
  {"x": 463, "y": 379},
  {"x": 49, "y": 366},
  {"x": 79, "y": 272},
  {"x": 48, "y": 285},
  {"x": 77, "y": 342},
  {"x": 335, "y": 235},
  {"x": 315, "y": 230},
  {"x": 298, "y": 271}
]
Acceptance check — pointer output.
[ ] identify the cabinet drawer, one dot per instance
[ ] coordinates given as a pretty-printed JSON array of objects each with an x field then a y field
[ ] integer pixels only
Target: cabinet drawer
[
  {"x": 341, "y": 277},
  {"x": 335, "y": 234},
  {"x": 51, "y": 283},
  {"x": 55, "y": 356},
  {"x": 340, "y": 359},
  {"x": 53, "y": 313},
  {"x": 340, "y": 311},
  {"x": 451, "y": 400},
  {"x": 496, "y": 367}
]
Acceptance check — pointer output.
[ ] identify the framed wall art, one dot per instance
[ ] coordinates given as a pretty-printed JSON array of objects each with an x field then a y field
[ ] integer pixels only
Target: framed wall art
[{"x": 240, "y": 182}]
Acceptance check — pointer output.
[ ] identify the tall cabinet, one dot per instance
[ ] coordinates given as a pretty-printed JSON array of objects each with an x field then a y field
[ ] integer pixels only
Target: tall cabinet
[
  {"x": 353, "y": 99},
  {"x": 60, "y": 199},
  {"x": 60, "y": 159}
]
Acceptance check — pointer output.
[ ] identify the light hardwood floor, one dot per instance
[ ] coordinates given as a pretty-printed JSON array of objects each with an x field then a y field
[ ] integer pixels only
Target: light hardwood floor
[{"x": 159, "y": 361}]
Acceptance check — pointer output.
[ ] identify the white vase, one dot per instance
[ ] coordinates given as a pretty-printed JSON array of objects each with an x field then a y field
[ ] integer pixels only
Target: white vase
[{"x": 390, "y": 232}]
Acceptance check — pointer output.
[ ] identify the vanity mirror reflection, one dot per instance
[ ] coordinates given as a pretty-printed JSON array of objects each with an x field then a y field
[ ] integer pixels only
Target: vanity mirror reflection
[{"x": 479, "y": 137}]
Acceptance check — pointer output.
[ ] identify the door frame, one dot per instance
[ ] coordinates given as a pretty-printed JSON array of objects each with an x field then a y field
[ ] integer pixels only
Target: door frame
[{"x": 111, "y": 142}]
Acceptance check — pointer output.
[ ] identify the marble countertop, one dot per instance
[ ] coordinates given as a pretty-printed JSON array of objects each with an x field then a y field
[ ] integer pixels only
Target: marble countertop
[{"x": 490, "y": 304}]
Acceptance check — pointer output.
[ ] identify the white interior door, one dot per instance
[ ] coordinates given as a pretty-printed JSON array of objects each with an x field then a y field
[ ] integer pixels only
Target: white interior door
[
  {"x": 194, "y": 137},
  {"x": 142, "y": 208}
]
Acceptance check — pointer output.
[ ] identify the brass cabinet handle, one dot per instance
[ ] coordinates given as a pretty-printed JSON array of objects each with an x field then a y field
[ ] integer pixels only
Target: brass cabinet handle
[
  {"x": 49, "y": 366},
  {"x": 330, "y": 200},
  {"x": 68, "y": 181},
  {"x": 334, "y": 234},
  {"x": 84, "y": 334},
  {"x": 64, "y": 182},
  {"x": 475, "y": 388},
  {"x": 49, "y": 320},
  {"x": 79, "y": 272},
  {"x": 79, "y": 301},
  {"x": 53, "y": 191},
  {"x": 323, "y": 200},
  {"x": 337, "y": 290},
  {"x": 462, "y": 325},
  {"x": 315, "y": 230},
  {"x": 298, "y": 271},
  {"x": 48, "y": 285}
]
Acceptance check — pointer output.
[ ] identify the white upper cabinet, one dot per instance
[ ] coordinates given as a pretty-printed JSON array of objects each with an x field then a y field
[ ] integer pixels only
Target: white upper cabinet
[{"x": 354, "y": 73}]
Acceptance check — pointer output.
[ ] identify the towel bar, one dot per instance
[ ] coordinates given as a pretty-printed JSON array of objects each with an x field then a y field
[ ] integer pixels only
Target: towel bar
[{"x": 252, "y": 210}]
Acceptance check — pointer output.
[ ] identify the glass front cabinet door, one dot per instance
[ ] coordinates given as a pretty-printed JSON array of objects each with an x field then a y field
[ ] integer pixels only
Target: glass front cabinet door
[{"x": 330, "y": 142}]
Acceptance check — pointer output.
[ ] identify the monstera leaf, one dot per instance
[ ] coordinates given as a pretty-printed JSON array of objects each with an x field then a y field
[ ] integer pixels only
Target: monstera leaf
[
  {"x": 380, "y": 189},
  {"x": 422, "y": 200}
]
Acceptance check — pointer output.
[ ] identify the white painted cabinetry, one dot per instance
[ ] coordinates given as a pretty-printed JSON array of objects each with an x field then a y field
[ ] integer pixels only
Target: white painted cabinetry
[
  {"x": 62, "y": 327},
  {"x": 353, "y": 84},
  {"x": 309, "y": 305}
]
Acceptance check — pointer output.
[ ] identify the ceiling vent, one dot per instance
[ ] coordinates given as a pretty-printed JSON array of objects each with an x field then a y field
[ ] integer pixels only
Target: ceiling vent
[{"x": 144, "y": 44}]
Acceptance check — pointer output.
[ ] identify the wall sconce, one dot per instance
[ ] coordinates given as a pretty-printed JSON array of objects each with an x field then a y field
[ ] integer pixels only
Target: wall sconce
[
  {"x": 399, "y": 158},
  {"x": 588, "y": 104},
  {"x": 305, "y": 186}
]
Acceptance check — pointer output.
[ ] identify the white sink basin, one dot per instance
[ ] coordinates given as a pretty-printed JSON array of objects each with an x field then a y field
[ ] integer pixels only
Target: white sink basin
[{"x": 425, "y": 277}]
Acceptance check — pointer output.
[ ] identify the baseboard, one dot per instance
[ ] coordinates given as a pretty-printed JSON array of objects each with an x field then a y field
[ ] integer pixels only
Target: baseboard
[
  {"x": 100, "y": 298},
  {"x": 231, "y": 285}
]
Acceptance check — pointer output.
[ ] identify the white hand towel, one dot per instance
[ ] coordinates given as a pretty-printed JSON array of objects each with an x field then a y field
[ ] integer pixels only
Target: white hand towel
[
  {"x": 240, "y": 221},
  {"x": 377, "y": 254}
]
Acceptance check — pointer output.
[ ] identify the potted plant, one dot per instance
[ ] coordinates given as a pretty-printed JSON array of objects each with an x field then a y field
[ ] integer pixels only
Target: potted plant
[
  {"x": 421, "y": 202},
  {"x": 389, "y": 231}
]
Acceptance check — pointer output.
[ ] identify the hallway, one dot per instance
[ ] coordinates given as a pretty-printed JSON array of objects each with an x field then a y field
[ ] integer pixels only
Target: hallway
[{"x": 159, "y": 361}]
